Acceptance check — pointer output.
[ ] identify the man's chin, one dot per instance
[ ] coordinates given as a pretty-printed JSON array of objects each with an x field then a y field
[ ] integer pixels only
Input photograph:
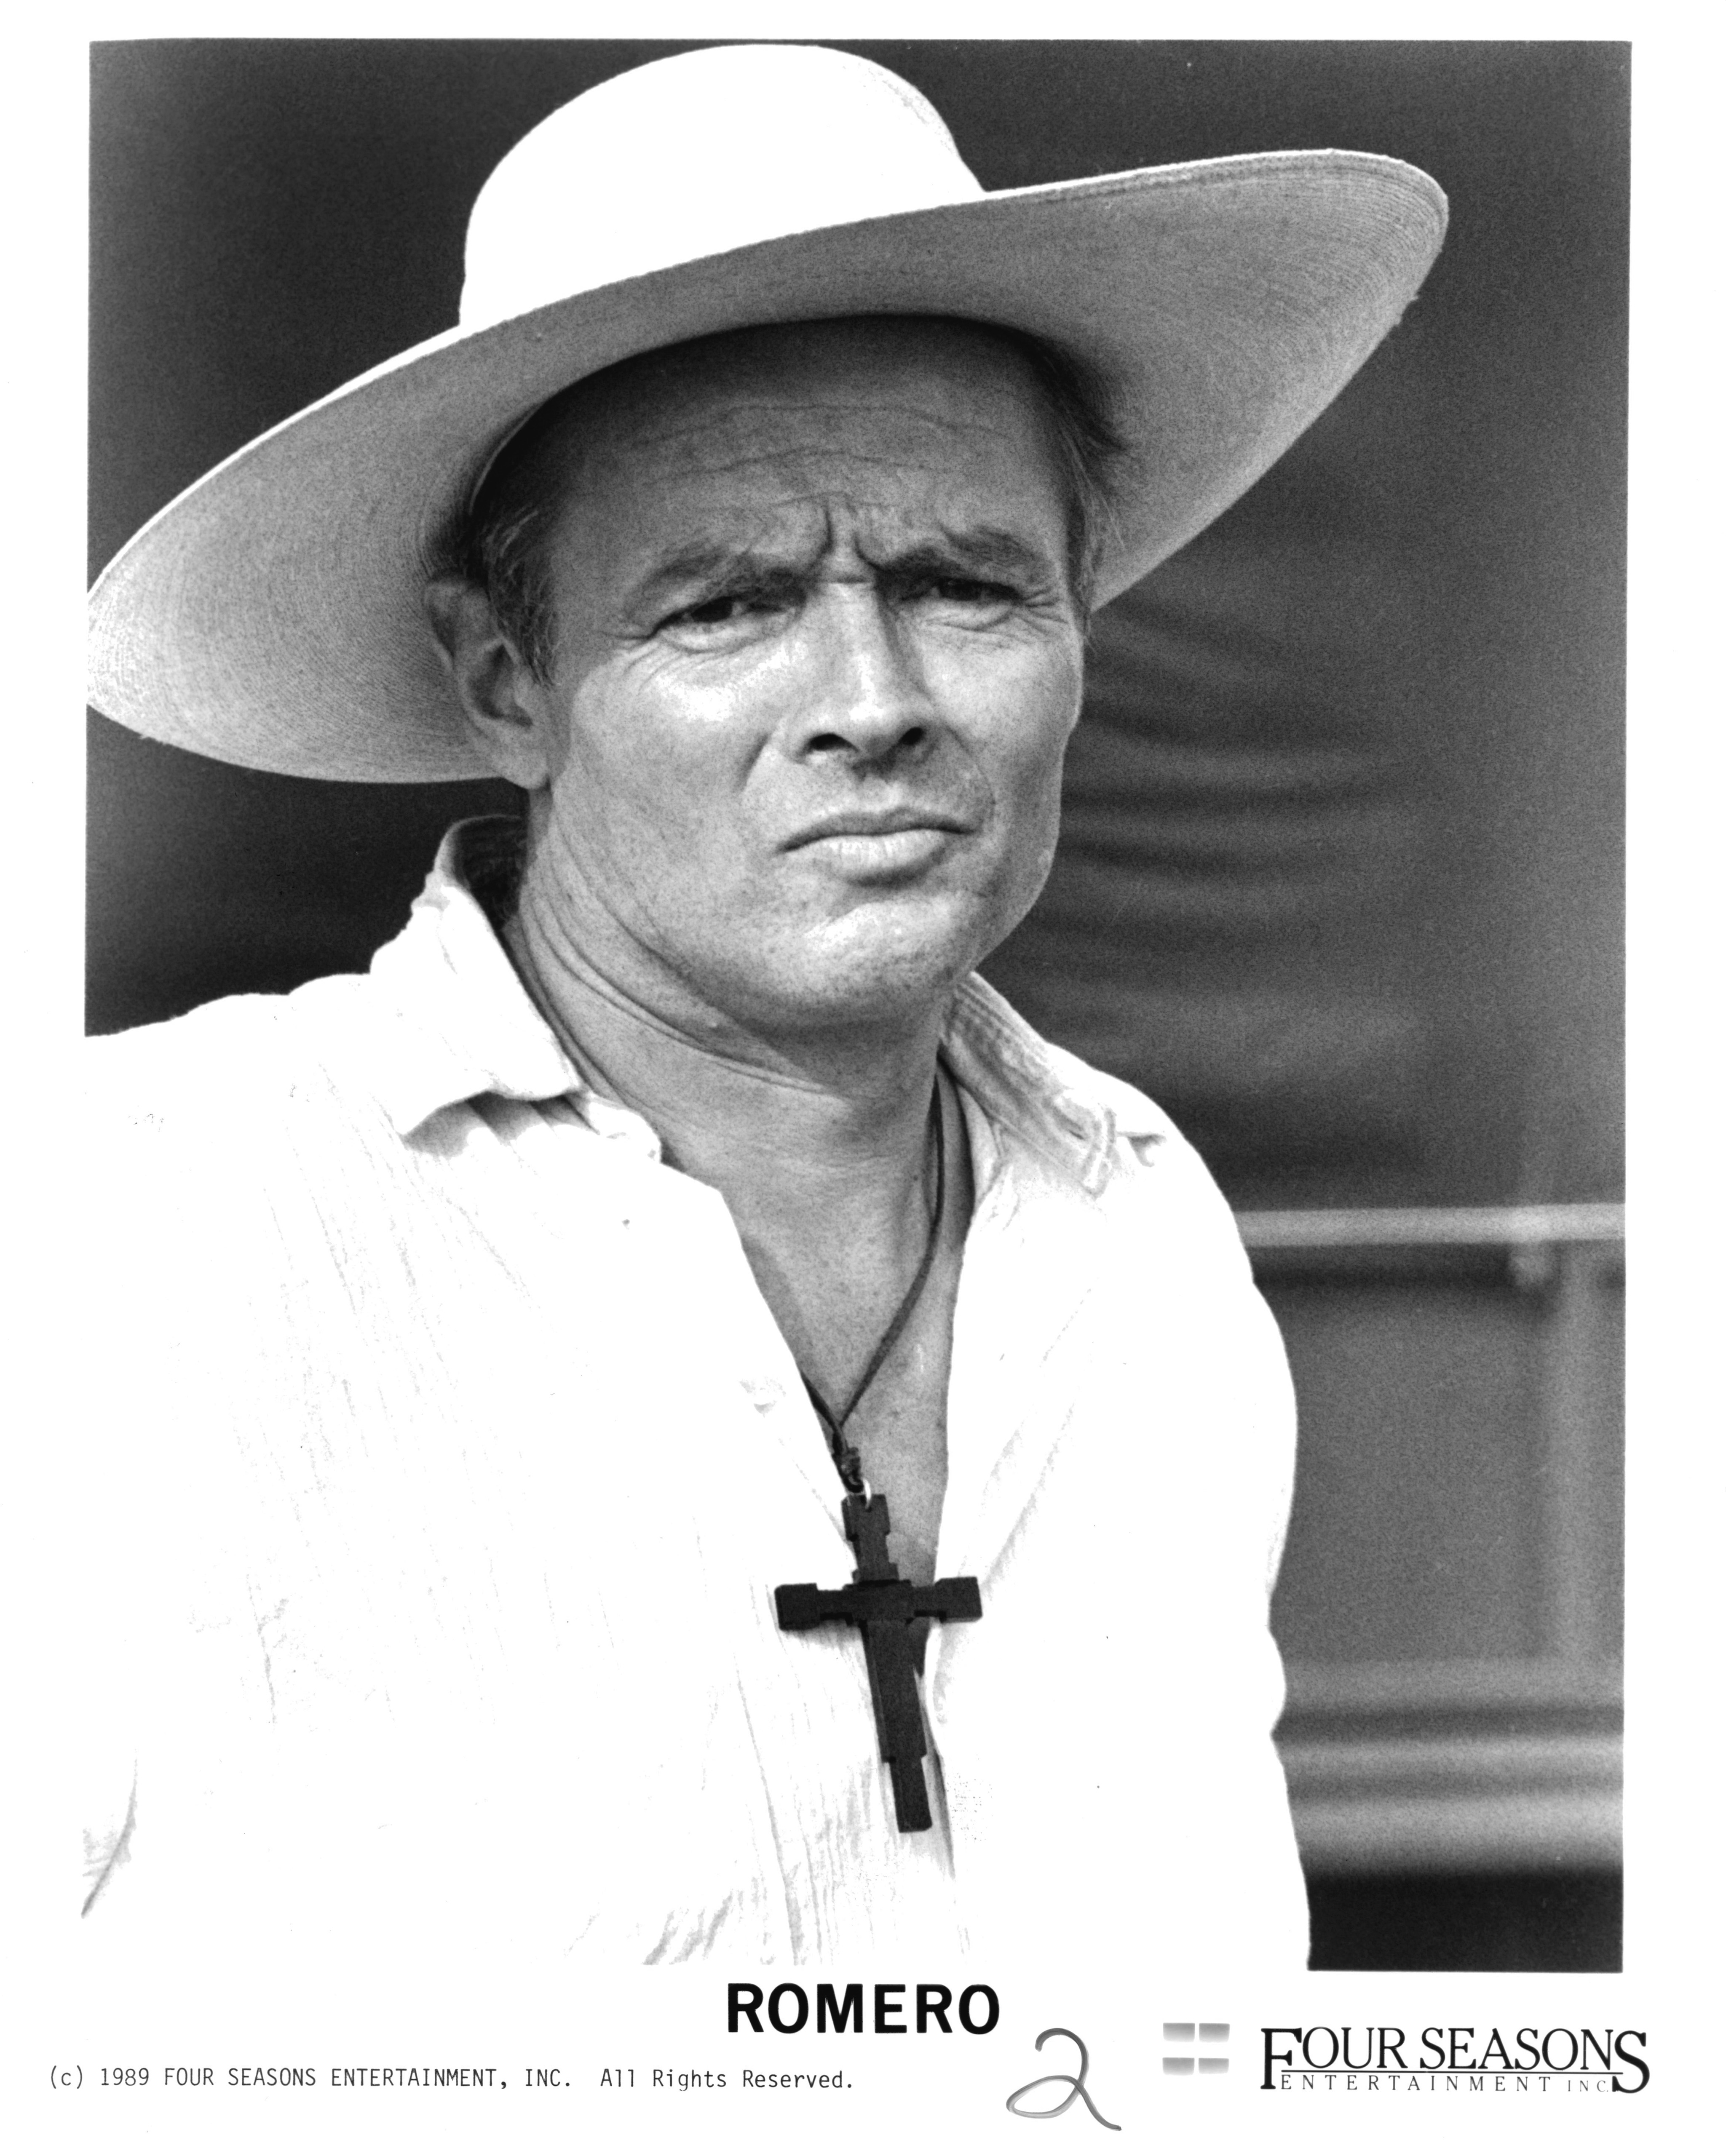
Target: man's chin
[{"x": 892, "y": 971}]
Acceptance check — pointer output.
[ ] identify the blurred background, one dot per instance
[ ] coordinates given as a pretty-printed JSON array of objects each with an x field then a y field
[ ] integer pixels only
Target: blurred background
[{"x": 1340, "y": 882}]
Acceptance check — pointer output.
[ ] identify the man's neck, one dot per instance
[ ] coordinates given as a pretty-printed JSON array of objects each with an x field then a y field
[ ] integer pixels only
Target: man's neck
[{"x": 818, "y": 1140}]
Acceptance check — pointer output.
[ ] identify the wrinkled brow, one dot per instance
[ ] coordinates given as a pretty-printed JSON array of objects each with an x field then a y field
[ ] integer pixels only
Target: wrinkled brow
[
  {"x": 979, "y": 549},
  {"x": 975, "y": 550}
]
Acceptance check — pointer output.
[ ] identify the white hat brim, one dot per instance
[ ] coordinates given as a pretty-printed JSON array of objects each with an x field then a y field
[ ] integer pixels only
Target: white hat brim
[{"x": 271, "y": 617}]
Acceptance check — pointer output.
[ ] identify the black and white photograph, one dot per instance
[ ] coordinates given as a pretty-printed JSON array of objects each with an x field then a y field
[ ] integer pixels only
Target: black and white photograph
[{"x": 853, "y": 1158}]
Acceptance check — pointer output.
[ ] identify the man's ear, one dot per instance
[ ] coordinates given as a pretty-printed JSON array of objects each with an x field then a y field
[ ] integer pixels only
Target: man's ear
[{"x": 505, "y": 708}]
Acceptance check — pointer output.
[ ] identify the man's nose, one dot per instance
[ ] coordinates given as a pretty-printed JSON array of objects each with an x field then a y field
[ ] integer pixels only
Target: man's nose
[{"x": 867, "y": 699}]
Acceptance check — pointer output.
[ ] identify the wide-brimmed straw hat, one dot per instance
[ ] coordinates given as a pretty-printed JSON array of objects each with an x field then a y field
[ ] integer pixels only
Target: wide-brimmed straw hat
[{"x": 271, "y": 616}]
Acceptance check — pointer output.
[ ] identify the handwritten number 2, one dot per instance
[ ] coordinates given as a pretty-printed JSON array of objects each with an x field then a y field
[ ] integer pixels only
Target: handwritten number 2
[{"x": 1074, "y": 2084}]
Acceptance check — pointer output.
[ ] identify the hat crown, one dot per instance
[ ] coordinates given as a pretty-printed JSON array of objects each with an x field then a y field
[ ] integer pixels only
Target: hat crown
[{"x": 780, "y": 139}]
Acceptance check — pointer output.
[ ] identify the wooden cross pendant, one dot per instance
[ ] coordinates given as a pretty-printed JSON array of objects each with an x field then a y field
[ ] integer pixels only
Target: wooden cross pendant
[{"x": 883, "y": 1607}]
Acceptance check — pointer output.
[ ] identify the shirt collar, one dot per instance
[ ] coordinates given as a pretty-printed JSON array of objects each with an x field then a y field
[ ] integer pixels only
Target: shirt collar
[
  {"x": 1071, "y": 1115},
  {"x": 458, "y": 1023}
]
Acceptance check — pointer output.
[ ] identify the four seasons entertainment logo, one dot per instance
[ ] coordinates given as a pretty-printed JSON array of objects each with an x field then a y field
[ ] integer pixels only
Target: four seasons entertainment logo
[{"x": 1380, "y": 2059}]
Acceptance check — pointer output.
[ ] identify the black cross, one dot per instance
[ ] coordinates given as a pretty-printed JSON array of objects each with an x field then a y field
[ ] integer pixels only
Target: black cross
[{"x": 884, "y": 1609}]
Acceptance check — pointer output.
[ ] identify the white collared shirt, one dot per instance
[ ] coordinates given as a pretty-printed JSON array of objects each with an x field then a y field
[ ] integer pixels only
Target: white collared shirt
[{"x": 448, "y": 1455}]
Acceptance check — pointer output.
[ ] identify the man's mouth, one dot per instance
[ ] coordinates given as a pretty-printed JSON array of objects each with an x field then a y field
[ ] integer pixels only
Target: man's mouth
[
  {"x": 884, "y": 845},
  {"x": 864, "y": 824}
]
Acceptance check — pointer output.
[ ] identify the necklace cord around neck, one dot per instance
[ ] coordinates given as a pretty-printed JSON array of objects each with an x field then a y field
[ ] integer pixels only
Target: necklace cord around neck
[{"x": 845, "y": 1454}]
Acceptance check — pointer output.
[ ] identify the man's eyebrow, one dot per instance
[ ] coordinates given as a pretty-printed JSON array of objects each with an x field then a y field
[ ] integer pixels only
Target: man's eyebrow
[
  {"x": 985, "y": 547},
  {"x": 704, "y": 562}
]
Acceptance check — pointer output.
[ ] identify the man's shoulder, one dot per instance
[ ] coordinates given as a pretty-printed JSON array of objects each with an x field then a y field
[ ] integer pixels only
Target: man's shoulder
[{"x": 240, "y": 1055}]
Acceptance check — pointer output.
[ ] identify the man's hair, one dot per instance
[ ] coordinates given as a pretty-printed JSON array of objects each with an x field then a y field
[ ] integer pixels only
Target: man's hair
[{"x": 499, "y": 542}]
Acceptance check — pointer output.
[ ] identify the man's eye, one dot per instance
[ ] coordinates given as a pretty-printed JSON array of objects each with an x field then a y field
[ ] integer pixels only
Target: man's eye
[
  {"x": 965, "y": 592},
  {"x": 739, "y": 611},
  {"x": 712, "y": 614}
]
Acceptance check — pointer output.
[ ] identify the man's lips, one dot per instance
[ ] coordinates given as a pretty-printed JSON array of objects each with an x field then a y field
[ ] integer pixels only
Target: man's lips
[{"x": 876, "y": 824}]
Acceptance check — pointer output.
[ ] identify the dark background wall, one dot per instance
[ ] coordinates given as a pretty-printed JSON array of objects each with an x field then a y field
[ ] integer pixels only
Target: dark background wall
[{"x": 1339, "y": 882}]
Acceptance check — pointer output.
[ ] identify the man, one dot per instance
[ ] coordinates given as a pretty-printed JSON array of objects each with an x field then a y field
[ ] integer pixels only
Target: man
[{"x": 526, "y": 1341}]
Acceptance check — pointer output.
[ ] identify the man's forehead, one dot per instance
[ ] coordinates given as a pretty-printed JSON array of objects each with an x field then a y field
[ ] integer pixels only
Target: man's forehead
[
  {"x": 730, "y": 429},
  {"x": 902, "y": 394}
]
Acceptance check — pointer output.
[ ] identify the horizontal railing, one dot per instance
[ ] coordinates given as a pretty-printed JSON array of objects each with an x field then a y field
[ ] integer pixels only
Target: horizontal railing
[{"x": 1430, "y": 1227}]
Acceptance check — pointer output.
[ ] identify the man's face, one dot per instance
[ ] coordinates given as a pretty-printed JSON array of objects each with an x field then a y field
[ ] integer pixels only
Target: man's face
[{"x": 818, "y": 658}]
